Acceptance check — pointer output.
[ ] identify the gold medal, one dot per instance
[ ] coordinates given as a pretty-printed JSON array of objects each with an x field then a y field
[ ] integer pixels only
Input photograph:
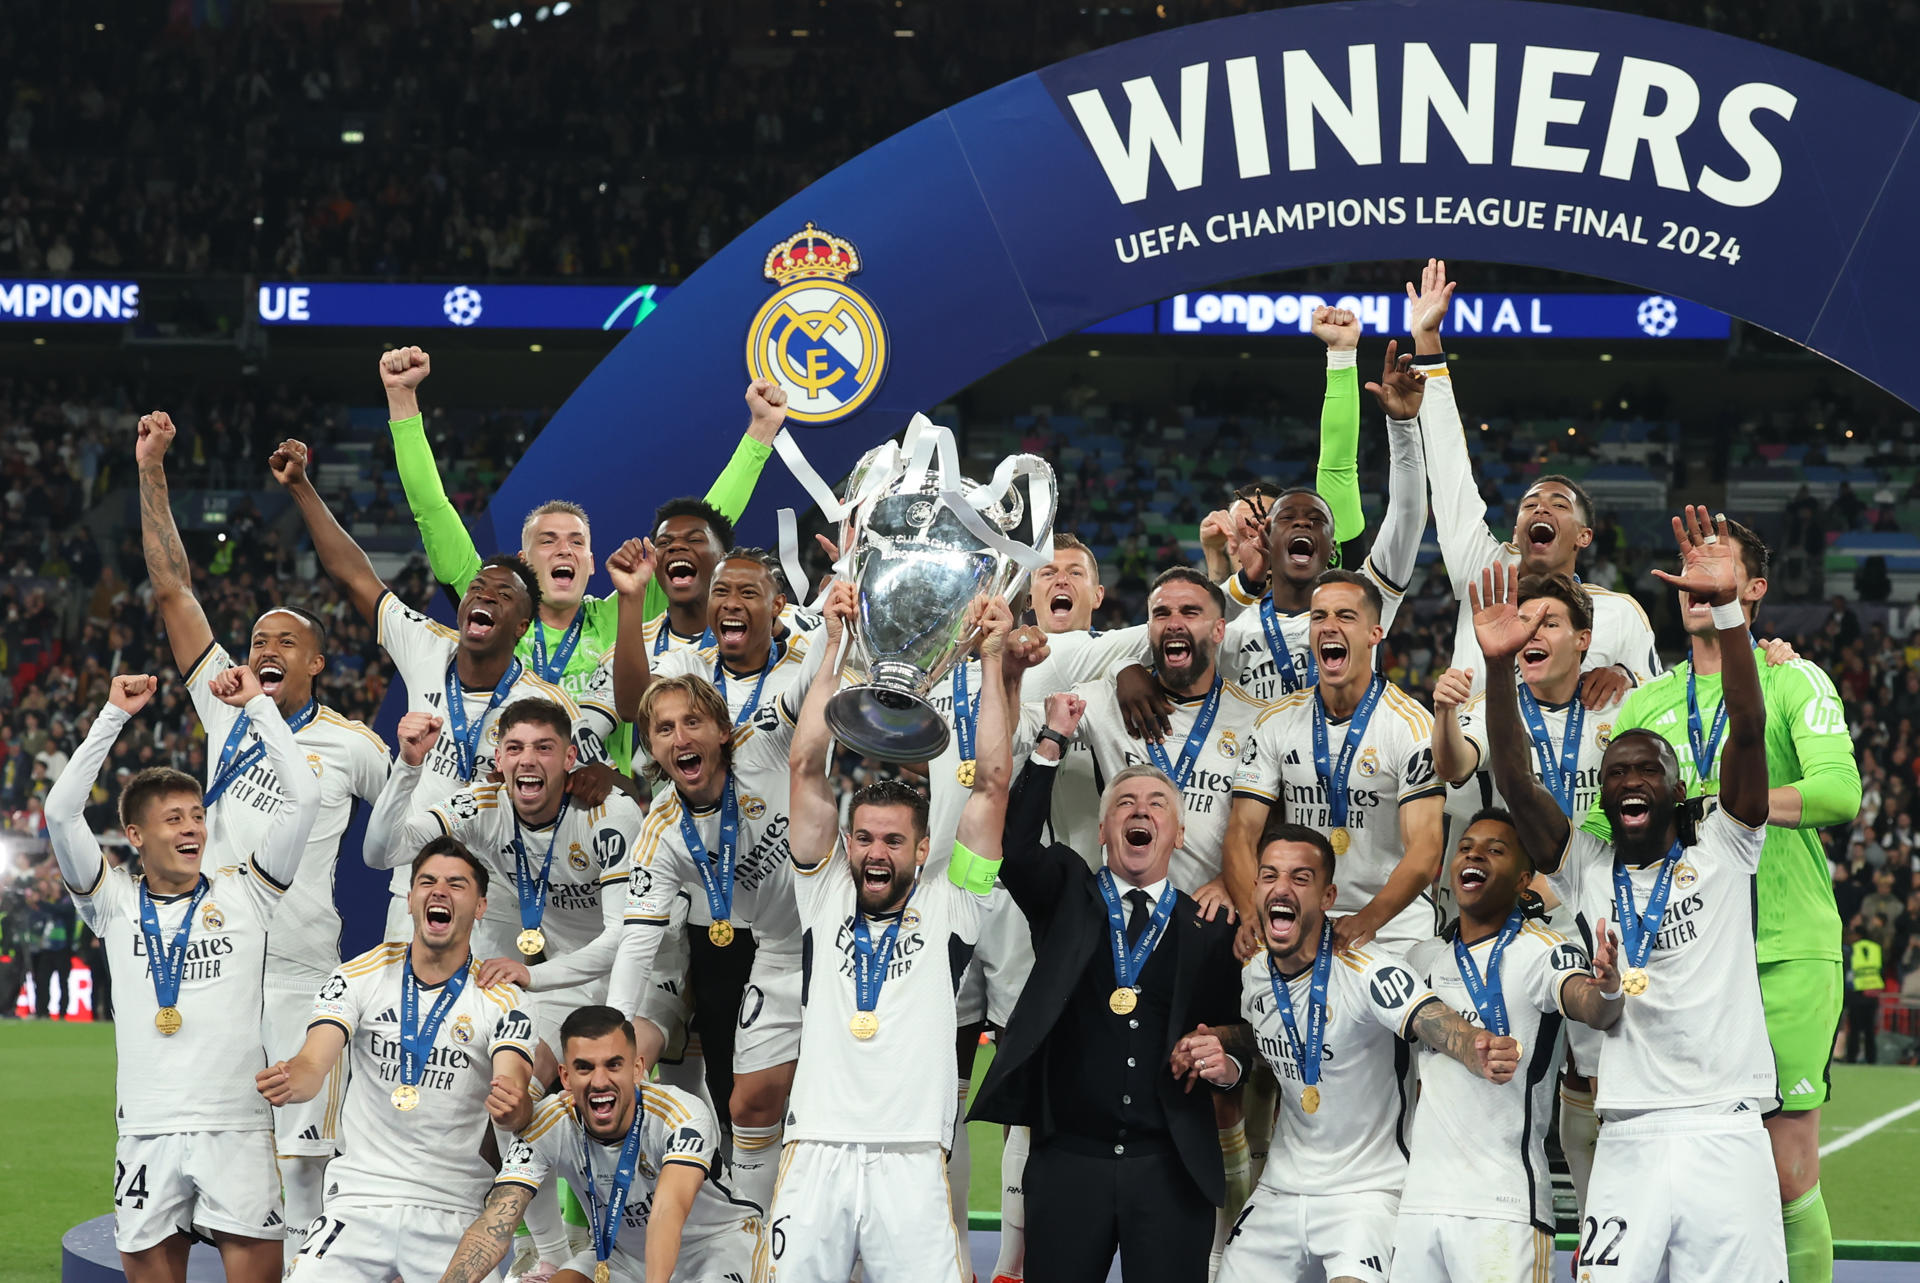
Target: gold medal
[
  {"x": 1310, "y": 1099},
  {"x": 721, "y": 933},
  {"x": 1340, "y": 840},
  {"x": 531, "y": 941},
  {"x": 1633, "y": 981},
  {"x": 1123, "y": 1001},
  {"x": 865, "y": 1024},
  {"x": 167, "y": 1020},
  {"x": 964, "y": 773},
  {"x": 602, "y": 1272},
  {"x": 405, "y": 1097}
]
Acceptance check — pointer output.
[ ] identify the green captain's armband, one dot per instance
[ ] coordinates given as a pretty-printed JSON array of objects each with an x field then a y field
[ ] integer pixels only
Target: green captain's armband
[{"x": 971, "y": 873}]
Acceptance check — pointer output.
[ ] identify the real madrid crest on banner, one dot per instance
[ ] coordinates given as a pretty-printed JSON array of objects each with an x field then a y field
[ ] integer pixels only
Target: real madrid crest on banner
[{"x": 817, "y": 337}]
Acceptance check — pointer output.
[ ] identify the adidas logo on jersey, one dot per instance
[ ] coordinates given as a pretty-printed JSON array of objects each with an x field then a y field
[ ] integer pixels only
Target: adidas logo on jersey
[
  {"x": 1802, "y": 1088},
  {"x": 312, "y": 1133},
  {"x": 1292, "y": 758},
  {"x": 388, "y": 1017},
  {"x": 1373, "y": 1263},
  {"x": 273, "y": 1219}
]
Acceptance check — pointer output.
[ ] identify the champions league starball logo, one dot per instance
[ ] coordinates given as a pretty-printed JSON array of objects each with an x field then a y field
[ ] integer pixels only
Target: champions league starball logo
[
  {"x": 817, "y": 337},
  {"x": 462, "y": 305},
  {"x": 1657, "y": 315}
]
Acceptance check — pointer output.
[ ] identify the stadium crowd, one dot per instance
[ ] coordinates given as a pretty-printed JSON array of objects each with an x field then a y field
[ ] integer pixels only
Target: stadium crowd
[{"x": 214, "y": 136}]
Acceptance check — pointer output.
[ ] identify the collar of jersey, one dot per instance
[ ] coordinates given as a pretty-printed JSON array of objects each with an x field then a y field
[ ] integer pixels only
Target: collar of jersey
[
  {"x": 158, "y": 898},
  {"x": 1201, "y": 698},
  {"x": 1552, "y": 707}
]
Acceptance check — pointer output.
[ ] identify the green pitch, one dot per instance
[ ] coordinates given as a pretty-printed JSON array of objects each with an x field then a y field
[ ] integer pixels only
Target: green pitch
[{"x": 56, "y": 1164}]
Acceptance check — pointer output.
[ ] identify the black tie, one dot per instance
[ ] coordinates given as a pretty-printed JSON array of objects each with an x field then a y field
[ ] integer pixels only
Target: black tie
[{"x": 1137, "y": 920}]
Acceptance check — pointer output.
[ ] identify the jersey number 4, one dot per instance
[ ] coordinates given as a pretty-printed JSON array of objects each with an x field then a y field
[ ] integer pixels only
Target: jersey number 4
[{"x": 1591, "y": 1251}]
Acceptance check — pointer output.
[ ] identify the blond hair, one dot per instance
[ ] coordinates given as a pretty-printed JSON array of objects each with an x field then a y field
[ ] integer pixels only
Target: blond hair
[
  {"x": 548, "y": 509},
  {"x": 705, "y": 700}
]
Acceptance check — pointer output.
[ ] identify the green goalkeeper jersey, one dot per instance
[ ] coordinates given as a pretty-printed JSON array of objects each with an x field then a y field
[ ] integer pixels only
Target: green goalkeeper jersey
[
  {"x": 1809, "y": 750},
  {"x": 455, "y": 561}
]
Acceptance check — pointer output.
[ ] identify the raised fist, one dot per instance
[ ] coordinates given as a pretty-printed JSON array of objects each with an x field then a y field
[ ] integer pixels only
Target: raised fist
[
  {"x": 156, "y": 432},
  {"x": 234, "y": 686},
  {"x": 768, "y": 402},
  {"x": 418, "y": 732},
  {"x": 132, "y": 692},
  {"x": 289, "y": 462},
  {"x": 404, "y": 367}
]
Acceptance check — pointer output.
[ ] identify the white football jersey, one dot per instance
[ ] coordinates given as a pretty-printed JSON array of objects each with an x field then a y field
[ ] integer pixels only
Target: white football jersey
[
  {"x": 1698, "y": 1035},
  {"x": 1596, "y": 732},
  {"x": 675, "y": 1127},
  {"x": 422, "y": 651},
  {"x": 1480, "y": 1148},
  {"x": 1622, "y": 633},
  {"x": 1394, "y": 766},
  {"x": 1208, "y": 794},
  {"x": 590, "y": 849},
  {"x": 428, "y": 1156},
  {"x": 895, "y": 1088},
  {"x": 1356, "y": 1139},
  {"x": 347, "y": 759}
]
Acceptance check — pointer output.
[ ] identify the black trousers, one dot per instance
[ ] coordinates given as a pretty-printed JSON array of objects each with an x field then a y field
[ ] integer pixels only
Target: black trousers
[
  {"x": 1863, "y": 1026},
  {"x": 1081, "y": 1209},
  {"x": 47, "y": 963},
  {"x": 718, "y": 978}
]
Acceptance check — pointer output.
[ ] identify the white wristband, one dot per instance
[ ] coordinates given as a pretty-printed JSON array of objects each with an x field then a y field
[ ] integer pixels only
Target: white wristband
[
  {"x": 1344, "y": 358},
  {"x": 1729, "y": 616},
  {"x": 1615, "y": 996}
]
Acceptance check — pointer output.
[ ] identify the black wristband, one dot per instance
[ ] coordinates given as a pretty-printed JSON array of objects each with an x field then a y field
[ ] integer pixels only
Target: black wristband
[{"x": 1048, "y": 733}]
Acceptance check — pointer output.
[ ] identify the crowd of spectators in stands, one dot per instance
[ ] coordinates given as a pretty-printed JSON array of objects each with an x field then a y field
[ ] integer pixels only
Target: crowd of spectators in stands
[{"x": 608, "y": 138}]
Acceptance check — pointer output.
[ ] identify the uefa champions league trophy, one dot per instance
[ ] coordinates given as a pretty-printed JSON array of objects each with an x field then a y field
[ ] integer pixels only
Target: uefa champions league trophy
[{"x": 920, "y": 543}]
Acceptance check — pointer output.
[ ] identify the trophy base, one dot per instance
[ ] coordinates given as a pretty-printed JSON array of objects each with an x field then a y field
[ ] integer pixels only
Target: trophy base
[{"x": 887, "y": 723}]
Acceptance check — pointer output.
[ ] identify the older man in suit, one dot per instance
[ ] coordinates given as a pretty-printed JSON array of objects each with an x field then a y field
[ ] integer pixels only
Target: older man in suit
[{"x": 1125, "y": 1156}]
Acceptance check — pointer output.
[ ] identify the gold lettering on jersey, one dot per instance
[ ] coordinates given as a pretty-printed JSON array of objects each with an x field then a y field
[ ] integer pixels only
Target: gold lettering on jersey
[
  {"x": 1340, "y": 840},
  {"x": 1310, "y": 1100},
  {"x": 1123, "y": 1001},
  {"x": 405, "y": 1097},
  {"x": 865, "y": 1024},
  {"x": 1634, "y": 981},
  {"x": 721, "y": 933},
  {"x": 167, "y": 1020}
]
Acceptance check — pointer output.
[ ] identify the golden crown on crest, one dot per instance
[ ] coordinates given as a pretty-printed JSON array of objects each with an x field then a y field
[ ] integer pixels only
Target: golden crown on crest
[{"x": 812, "y": 253}]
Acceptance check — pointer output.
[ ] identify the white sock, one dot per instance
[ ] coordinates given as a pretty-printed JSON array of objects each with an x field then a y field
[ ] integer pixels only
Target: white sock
[
  {"x": 756, "y": 1163},
  {"x": 1013, "y": 1204},
  {"x": 959, "y": 1173},
  {"x": 1579, "y": 1133},
  {"x": 302, "y": 1178},
  {"x": 545, "y": 1224}
]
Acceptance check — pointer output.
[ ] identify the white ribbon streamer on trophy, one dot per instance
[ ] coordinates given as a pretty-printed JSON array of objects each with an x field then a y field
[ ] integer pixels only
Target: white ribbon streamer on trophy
[{"x": 926, "y": 443}]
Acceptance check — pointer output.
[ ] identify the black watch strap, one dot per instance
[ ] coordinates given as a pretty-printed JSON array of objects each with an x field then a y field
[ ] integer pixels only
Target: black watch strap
[{"x": 1048, "y": 733}]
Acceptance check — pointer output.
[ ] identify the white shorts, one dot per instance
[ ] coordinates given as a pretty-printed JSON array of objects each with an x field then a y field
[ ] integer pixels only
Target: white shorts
[
  {"x": 1469, "y": 1249},
  {"x": 311, "y": 1128},
  {"x": 1408, "y": 927},
  {"x": 353, "y": 1242},
  {"x": 1685, "y": 1196},
  {"x": 667, "y": 1001},
  {"x": 1002, "y": 960},
  {"x": 1311, "y": 1237},
  {"x": 883, "y": 1205},
  {"x": 195, "y": 1183},
  {"x": 1583, "y": 1047},
  {"x": 769, "y": 1032},
  {"x": 399, "y": 921},
  {"x": 726, "y": 1257},
  {"x": 552, "y": 1007}
]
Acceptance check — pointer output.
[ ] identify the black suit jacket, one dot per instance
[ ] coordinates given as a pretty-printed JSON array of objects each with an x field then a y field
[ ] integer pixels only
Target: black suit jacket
[{"x": 1061, "y": 898}]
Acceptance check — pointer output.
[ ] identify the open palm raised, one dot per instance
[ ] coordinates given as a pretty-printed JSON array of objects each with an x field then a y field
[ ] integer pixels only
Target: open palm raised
[
  {"x": 1708, "y": 569},
  {"x": 1499, "y": 624}
]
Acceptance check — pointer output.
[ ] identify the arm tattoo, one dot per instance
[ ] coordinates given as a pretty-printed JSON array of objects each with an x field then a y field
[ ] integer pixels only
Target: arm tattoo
[
  {"x": 1442, "y": 1029},
  {"x": 1237, "y": 1041},
  {"x": 166, "y": 557},
  {"x": 487, "y": 1240}
]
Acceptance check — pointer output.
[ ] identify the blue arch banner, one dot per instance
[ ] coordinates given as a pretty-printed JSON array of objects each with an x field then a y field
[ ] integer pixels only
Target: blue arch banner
[{"x": 1674, "y": 159}]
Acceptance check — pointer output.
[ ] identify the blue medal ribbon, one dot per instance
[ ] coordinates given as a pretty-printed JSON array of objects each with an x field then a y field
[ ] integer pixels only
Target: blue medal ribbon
[
  {"x": 466, "y": 738},
  {"x": 775, "y": 653},
  {"x": 966, "y": 712},
  {"x": 1128, "y": 963},
  {"x": 1488, "y": 998},
  {"x": 664, "y": 637},
  {"x": 1637, "y": 930},
  {"x": 1196, "y": 740},
  {"x": 1705, "y": 748},
  {"x": 717, "y": 881},
  {"x": 562, "y": 654},
  {"x": 604, "y": 1218},
  {"x": 1282, "y": 657},
  {"x": 233, "y": 763},
  {"x": 870, "y": 961},
  {"x": 1562, "y": 777},
  {"x": 416, "y": 1038},
  {"x": 1334, "y": 771},
  {"x": 168, "y": 962},
  {"x": 1306, "y": 1053},
  {"x": 533, "y": 891}
]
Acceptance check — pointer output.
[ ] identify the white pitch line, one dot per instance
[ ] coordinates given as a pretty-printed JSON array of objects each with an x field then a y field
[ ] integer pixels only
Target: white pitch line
[{"x": 1865, "y": 1130}]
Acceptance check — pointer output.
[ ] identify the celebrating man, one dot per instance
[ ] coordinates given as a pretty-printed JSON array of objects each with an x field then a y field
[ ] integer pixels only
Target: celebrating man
[
  {"x": 187, "y": 947},
  {"x": 287, "y": 652},
  {"x": 435, "y": 1055},
  {"x": 873, "y": 1104},
  {"x": 1683, "y": 1182}
]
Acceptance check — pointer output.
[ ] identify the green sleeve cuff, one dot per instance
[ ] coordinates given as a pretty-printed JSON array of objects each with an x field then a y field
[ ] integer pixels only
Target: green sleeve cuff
[
  {"x": 1338, "y": 475},
  {"x": 970, "y": 872},
  {"x": 450, "y": 551}
]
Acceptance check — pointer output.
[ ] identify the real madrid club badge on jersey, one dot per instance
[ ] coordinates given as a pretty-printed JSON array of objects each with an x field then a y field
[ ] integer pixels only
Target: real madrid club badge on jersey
[{"x": 817, "y": 337}]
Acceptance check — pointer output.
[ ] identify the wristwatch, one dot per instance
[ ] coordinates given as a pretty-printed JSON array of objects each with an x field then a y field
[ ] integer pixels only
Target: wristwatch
[{"x": 1048, "y": 733}]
